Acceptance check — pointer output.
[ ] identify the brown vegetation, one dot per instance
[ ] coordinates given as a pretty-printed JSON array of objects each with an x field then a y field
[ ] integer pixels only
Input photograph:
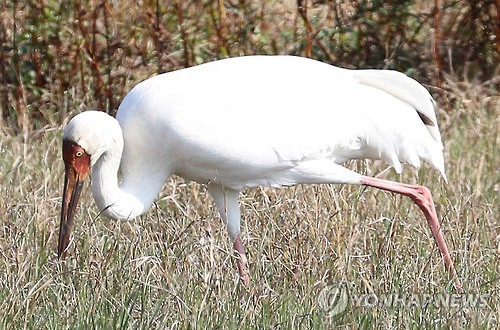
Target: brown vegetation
[
  {"x": 95, "y": 50},
  {"x": 174, "y": 266}
]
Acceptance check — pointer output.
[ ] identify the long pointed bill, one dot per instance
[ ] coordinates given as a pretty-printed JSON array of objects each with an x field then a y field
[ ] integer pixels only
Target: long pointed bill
[
  {"x": 72, "y": 189},
  {"x": 77, "y": 163},
  {"x": 423, "y": 198}
]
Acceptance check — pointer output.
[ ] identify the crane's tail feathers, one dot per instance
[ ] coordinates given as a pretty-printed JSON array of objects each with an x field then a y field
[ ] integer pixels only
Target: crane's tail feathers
[
  {"x": 406, "y": 89},
  {"x": 437, "y": 159},
  {"x": 433, "y": 156},
  {"x": 417, "y": 96}
]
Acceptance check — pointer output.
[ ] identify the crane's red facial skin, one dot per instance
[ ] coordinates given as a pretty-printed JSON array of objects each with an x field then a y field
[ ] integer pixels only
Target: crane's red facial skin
[{"x": 77, "y": 168}]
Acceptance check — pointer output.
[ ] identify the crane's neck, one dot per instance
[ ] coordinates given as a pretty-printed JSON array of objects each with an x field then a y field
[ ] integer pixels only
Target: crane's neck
[{"x": 109, "y": 197}]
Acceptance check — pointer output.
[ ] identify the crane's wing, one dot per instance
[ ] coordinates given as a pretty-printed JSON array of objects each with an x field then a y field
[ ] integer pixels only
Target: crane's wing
[
  {"x": 406, "y": 89},
  {"x": 249, "y": 117}
]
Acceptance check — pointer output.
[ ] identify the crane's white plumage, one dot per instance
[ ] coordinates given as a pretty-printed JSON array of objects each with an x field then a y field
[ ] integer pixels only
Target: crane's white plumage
[{"x": 252, "y": 121}]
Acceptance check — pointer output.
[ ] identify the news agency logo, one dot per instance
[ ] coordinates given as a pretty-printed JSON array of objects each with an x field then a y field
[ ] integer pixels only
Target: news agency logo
[
  {"x": 333, "y": 299},
  {"x": 336, "y": 299}
]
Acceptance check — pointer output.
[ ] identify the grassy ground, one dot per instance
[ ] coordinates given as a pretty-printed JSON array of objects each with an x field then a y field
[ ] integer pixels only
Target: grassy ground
[{"x": 174, "y": 267}]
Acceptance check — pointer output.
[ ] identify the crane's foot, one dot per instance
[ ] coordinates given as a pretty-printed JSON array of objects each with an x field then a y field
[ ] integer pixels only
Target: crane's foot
[
  {"x": 242, "y": 262},
  {"x": 423, "y": 198}
]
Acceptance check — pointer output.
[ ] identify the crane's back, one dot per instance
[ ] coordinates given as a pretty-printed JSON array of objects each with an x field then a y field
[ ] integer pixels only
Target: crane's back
[{"x": 250, "y": 117}]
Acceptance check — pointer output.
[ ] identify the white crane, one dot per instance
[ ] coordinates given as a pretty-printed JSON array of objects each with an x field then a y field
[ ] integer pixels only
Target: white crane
[{"x": 246, "y": 122}]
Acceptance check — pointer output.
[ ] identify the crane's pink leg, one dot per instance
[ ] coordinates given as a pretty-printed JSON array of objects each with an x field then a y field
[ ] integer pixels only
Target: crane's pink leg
[
  {"x": 242, "y": 262},
  {"x": 423, "y": 198}
]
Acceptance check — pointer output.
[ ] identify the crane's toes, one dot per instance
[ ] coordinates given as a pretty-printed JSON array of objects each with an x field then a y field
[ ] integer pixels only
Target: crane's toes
[
  {"x": 242, "y": 262},
  {"x": 243, "y": 271},
  {"x": 458, "y": 285},
  {"x": 245, "y": 280}
]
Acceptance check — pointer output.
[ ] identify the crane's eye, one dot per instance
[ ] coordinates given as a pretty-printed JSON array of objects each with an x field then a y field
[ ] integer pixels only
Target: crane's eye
[{"x": 78, "y": 154}]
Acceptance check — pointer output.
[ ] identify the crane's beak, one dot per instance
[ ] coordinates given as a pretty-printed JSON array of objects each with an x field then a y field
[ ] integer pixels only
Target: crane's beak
[{"x": 77, "y": 163}]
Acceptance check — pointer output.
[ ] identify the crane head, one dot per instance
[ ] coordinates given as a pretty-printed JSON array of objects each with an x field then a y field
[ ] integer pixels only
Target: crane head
[{"x": 77, "y": 168}]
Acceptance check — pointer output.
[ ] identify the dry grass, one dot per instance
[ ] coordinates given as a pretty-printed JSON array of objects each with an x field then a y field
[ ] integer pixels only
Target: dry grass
[
  {"x": 174, "y": 266},
  {"x": 50, "y": 48}
]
